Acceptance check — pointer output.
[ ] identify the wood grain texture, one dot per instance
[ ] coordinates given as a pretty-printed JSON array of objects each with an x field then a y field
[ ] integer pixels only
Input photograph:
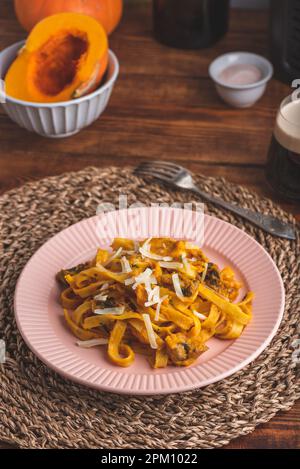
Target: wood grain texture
[{"x": 164, "y": 106}]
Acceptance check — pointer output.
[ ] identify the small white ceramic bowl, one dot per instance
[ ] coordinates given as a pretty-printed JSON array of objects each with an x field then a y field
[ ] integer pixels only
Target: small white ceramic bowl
[
  {"x": 58, "y": 120},
  {"x": 240, "y": 95}
]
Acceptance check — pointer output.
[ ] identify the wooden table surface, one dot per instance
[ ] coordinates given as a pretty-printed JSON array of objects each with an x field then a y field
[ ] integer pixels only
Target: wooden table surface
[{"x": 164, "y": 106}]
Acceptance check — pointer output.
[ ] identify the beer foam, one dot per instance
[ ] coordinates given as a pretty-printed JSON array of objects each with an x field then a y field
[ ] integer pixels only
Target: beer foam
[{"x": 287, "y": 126}]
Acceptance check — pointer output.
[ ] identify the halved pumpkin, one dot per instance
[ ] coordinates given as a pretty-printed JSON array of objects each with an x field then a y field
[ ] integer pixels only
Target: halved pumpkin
[{"x": 65, "y": 57}]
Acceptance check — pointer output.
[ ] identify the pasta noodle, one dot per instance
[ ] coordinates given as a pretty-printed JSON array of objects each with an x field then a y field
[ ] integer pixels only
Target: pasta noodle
[{"x": 160, "y": 297}]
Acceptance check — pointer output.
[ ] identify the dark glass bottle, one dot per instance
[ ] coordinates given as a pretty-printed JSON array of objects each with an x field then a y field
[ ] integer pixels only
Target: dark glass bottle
[
  {"x": 190, "y": 24},
  {"x": 285, "y": 39}
]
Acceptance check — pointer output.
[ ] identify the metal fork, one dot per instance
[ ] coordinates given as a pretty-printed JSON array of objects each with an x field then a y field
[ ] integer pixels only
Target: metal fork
[{"x": 179, "y": 177}]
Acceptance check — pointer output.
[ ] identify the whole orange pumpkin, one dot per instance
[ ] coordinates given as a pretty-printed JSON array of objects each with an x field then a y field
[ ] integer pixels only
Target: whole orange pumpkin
[{"x": 107, "y": 12}]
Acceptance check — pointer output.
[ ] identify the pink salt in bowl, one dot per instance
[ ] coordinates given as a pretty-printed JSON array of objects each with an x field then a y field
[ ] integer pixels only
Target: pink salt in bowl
[{"x": 240, "y": 77}]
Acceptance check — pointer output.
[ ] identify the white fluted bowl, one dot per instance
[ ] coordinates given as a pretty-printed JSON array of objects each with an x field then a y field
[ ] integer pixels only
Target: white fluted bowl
[{"x": 58, "y": 120}]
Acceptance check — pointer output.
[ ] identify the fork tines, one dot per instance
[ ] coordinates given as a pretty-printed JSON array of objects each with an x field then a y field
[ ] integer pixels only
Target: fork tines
[{"x": 160, "y": 169}]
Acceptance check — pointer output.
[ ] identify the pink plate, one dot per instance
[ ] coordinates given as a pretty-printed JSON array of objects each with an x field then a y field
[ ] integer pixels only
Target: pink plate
[{"x": 40, "y": 317}]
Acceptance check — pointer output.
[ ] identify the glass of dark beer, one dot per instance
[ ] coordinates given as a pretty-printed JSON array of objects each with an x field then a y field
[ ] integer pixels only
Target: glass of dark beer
[{"x": 283, "y": 165}]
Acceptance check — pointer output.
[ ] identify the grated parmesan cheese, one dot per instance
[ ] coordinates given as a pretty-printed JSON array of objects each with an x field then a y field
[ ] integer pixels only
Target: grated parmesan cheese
[
  {"x": 150, "y": 331},
  {"x": 144, "y": 250},
  {"x": 126, "y": 268},
  {"x": 199, "y": 315},
  {"x": 114, "y": 256},
  {"x": 177, "y": 287},
  {"x": 204, "y": 272},
  {"x": 153, "y": 296},
  {"x": 100, "y": 297},
  {"x": 129, "y": 281},
  {"x": 189, "y": 245},
  {"x": 158, "y": 307},
  {"x": 145, "y": 277},
  {"x": 153, "y": 279},
  {"x": 187, "y": 267},
  {"x": 171, "y": 265},
  {"x": 157, "y": 312},
  {"x": 118, "y": 310},
  {"x": 91, "y": 343}
]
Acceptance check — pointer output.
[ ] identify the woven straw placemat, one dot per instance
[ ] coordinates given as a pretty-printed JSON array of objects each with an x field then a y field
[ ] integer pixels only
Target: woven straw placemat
[{"x": 40, "y": 409}]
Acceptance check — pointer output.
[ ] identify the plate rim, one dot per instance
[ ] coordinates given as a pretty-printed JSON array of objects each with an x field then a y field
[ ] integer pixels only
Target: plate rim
[{"x": 172, "y": 390}]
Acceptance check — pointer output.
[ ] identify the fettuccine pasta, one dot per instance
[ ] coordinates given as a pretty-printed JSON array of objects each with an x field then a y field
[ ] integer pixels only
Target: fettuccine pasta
[{"x": 161, "y": 297}]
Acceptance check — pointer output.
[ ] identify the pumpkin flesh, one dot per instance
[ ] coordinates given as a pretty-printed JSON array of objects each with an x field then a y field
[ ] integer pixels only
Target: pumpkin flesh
[
  {"x": 65, "y": 57},
  {"x": 57, "y": 61}
]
